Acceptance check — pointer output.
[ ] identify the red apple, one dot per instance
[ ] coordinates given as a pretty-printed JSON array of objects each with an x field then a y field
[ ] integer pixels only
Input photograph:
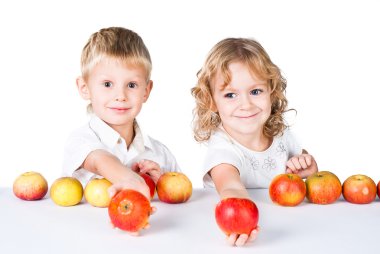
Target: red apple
[
  {"x": 236, "y": 215},
  {"x": 30, "y": 186},
  {"x": 174, "y": 187},
  {"x": 359, "y": 189},
  {"x": 129, "y": 210},
  {"x": 287, "y": 190},
  {"x": 323, "y": 188},
  {"x": 149, "y": 181}
]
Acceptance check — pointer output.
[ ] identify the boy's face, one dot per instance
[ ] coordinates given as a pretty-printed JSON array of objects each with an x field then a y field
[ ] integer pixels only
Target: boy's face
[
  {"x": 116, "y": 91},
  {"x": 244, "y": 105}
]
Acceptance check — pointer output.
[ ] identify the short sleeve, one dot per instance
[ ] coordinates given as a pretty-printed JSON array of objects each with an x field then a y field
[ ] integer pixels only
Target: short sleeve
[
  {"x": 78, "y": 146},
  {"x": 216, "y": 156}
]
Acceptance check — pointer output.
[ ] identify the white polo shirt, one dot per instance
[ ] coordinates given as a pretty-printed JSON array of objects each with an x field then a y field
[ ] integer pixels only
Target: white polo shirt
[
  {"x": 96, "y": 134},
  {"x": 256, "y": 169}
]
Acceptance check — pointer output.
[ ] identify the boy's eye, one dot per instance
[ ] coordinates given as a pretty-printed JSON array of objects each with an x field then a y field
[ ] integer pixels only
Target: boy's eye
[
  {"x": 107, "y": 84},
  {"x": 132, "y": 84},
  {"x": 256, "y": 91},
  {"x": 230, "y": 95}
]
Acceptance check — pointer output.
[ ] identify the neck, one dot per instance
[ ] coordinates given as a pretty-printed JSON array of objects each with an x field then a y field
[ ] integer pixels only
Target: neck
[
  {"x": 256, "y": 141},
  {"x": 127, "y": 132}
]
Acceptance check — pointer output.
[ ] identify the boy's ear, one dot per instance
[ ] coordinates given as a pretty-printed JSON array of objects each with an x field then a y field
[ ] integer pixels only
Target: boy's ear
[
  {"x": 148, "y": 89},
  {"x": 83, "y": 88}
]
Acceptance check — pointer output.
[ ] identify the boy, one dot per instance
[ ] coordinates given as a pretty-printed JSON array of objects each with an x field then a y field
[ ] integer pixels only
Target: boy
[{"x": 116, "y": 68}]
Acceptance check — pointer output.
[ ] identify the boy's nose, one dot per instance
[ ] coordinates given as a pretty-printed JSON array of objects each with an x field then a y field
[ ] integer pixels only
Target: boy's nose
[{"x": 120, "y": 95}]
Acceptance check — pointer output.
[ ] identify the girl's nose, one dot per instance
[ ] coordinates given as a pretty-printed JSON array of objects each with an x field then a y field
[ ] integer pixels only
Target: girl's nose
[{"x": 246, "y": 102}]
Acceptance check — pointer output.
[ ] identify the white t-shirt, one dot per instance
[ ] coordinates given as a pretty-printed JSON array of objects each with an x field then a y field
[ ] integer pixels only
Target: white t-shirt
[
  {"x": 256, "y": 169},
  {"x": 96, "y": 134}
]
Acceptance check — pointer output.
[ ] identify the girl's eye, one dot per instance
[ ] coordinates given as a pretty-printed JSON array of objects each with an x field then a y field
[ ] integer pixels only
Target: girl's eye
[
  {"x": 256, "y": 91},
  {"x": 132, "y": 85},
  {"x": 230, "y": 95},
  {"x": 107, "y": 84}
]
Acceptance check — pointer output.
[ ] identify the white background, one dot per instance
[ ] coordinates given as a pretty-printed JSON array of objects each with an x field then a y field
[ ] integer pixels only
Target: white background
[{"x": 328, "y": 51}]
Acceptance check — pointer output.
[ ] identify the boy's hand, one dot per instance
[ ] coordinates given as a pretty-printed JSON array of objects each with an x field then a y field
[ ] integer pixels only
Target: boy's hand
[
  {"x": 240, "y": 240},
  {"x": 148, "y": 167},
  {"x": 133, "y": 182},
  {"x": 302, "y": 165},
  {"x": 154, "y": 209},
  {"x": 137, "y": 185}
]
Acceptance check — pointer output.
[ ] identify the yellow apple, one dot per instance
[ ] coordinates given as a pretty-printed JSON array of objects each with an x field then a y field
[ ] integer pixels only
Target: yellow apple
[
  {"x": 66, "y": 191},
  {"x": 174, "y": 187},
  {"x": 30, "y": 186},
  {"x": 96, "y": 192}
]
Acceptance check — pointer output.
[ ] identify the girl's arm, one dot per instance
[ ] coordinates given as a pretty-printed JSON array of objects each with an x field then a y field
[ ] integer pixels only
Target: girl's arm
[{"x": 227, "y": 182}]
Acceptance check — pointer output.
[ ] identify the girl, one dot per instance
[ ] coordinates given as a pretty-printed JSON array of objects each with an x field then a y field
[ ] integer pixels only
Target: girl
[{"x": 240, "y": 102}]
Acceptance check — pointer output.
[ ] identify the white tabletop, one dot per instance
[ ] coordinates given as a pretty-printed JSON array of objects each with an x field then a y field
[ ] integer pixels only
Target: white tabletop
[{"x": 43, "y": 227}]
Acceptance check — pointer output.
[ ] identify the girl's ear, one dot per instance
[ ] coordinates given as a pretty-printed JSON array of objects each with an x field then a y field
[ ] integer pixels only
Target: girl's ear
[
  {"x": 83, "y": 88},
  {"x": 213, "y": 106}
]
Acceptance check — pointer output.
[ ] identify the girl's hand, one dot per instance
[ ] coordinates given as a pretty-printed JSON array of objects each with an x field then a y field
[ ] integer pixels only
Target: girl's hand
[
  {"x": 241, "y": 240},
  {"x": 148, "y": 167},
  {"x": 302, "y": 165}
]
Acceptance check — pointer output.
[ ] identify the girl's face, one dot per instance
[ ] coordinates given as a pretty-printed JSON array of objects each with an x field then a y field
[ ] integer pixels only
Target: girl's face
[
  {"x": 116, "y": 92},
  {"x": 244, "y": 105}
]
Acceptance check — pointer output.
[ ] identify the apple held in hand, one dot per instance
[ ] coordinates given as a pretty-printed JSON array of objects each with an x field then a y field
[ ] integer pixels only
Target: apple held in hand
[
  {"x": 149, "y": 181},
  {"x": 129, "y": 210},
  {"x": 96, "y": 192},
  {"x": 359, "y": 189},
  {"x": 30, "y": 186},
  {"x": 287, "y": 190},
  {"x": 174, "y": 187},
  {"x": 236, "y": 215},
  {"x": 323, "y": 188},
  {"x": 66, "y": 191}
]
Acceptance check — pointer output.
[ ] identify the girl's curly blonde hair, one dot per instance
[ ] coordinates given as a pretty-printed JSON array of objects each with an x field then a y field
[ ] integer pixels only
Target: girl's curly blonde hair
[{"x": 251, "y": 53}]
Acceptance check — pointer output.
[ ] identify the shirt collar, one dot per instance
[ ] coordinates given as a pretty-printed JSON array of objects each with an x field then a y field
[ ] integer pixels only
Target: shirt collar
[{"x": 111, "y": 138}]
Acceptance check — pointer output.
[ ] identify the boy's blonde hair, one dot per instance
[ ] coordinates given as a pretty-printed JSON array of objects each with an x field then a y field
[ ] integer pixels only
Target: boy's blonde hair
[
  {"x": 251, "y": 53},
  {"x": 115, "y": 42}
]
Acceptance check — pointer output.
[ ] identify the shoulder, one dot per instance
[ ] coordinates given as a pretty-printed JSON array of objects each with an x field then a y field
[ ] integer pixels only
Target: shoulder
[
  {"x": 83, "y": 133},
  {"x": 220, "y": 139}
]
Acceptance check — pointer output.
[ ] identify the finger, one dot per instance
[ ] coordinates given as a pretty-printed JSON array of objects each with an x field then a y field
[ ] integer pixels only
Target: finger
[
  {"x": 154, "y": 209},
  {"x": 241, "y": 240},
  {"x": 296, "y": 163},
  {"x": 112, "y": 190},
  {"x": 253, "y": 235},
  {"x": 136, "y": 167},
  {"x": 146, "y": 226},
  {"x": 290, "y": 165},
  {"x": 302, "y": 161},
  {"x": 231, "y": 239},
  {"x": 308, "y": 159},
  {"x": 134, "y": 233}
]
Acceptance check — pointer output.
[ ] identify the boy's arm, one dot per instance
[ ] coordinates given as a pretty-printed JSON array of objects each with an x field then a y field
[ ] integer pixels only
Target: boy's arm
[{"x": 110, "y": 167}]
